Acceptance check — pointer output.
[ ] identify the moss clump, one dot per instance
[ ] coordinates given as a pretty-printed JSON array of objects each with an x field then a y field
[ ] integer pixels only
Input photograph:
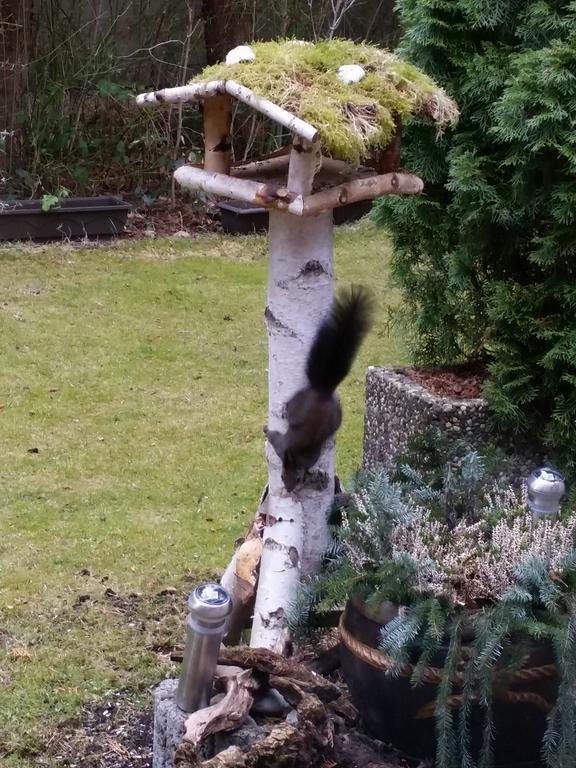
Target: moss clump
[{"x": 352, "y": 120}]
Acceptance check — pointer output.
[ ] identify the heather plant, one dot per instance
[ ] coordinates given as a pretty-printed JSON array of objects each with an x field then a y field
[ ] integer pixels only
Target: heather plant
[{"x": 484, "y": 569}]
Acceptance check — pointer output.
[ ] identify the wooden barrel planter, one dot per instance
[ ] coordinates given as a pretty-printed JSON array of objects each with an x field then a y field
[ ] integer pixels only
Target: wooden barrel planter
[{"x": 402, "y": 715}]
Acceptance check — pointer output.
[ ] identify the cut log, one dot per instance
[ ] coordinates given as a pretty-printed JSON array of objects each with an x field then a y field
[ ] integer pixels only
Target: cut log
[
  {"x": 280, "y": 115},
  {"x": 278, "y": 164},
  {"x": 271, "y": 165},
  {"x": 258, "y": 193},
  {"x": 241, "y": 584},
  {"x": 305, "y": 161},
  {"x": 240, "y": 578},
  {"x": 182, "y": 94},
  {"x": 217, "y": 141}
]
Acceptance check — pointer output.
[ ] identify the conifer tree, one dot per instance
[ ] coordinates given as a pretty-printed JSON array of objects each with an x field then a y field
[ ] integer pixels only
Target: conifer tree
[{"x": 486, "y": 257}]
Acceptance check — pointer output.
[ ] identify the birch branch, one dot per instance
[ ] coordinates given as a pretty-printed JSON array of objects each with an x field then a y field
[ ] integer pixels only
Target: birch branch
[
  {"x": 275, "y": 197},
  {"x": 356, "y": 190},
  {"x": 256, "y": 192},
  {"x": 196, "y": 91},
  {"x": 273, "y": 111},
  {"x": 182, "y": 93},
  {"x": 217, "y": 141}
]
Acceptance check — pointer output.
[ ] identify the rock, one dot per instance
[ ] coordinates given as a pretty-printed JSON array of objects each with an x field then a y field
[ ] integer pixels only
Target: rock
[
  {"x": 248, "y": 733},
  {"x": 182, "y": 233},
  {"x": 270, "y": 703},
  {"x": 350, "y": 73},
  {"x": 168, "y": 724},
  {"x": 240, "y": 54}
]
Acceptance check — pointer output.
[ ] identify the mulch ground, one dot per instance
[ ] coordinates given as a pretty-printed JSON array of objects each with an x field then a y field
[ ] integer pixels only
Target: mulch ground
[
  {"x": 119, "y": 734},
  {"x": 113, "y": 734},
  {"x": 161, "y": 219},
  {"x": 460, "y": 382}
]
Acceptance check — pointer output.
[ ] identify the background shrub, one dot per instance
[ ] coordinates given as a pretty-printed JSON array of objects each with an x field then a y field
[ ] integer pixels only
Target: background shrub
[{"x": 486, "y": 257}]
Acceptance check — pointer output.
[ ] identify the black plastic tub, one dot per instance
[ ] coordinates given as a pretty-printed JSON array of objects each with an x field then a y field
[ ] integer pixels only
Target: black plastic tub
[
  {"x": 71, "y": 218},
  {"x": 239, "y": 218},
  {"x": 402, "y": 715}
]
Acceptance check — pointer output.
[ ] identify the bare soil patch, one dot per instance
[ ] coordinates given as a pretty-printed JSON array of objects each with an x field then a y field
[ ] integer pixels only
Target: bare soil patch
[
  {"x": 162, "y": 219},
  {"x": 113, "y": 734}
]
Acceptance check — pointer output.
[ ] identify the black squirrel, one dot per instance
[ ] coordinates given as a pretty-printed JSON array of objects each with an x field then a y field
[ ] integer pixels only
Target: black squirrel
[{"x": 314, "y": 413}]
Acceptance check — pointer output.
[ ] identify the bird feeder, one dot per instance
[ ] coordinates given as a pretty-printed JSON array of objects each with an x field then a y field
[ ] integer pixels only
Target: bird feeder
[{"x": 322, "y": 166}]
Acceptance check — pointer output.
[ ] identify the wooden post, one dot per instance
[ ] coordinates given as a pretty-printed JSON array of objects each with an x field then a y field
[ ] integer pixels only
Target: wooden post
[{"x": 217, "y": 140}]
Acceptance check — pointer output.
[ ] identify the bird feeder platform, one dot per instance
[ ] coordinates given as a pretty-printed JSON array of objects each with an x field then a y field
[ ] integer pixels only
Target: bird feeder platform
[{"x": 338, "y": 109}]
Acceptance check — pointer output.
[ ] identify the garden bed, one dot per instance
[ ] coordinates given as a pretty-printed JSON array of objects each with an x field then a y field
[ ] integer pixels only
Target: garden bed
[{"x": 461, "y": 382}]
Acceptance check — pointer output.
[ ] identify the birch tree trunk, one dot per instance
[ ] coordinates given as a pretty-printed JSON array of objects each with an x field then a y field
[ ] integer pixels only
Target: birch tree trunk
[{"x": 300, "y": 291}]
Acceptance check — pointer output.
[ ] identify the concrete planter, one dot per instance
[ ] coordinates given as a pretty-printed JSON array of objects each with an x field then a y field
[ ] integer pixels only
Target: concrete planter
[{"x": 397, "y": 409}]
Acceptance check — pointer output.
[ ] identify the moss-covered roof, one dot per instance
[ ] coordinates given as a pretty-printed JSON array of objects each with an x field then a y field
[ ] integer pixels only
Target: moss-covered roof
[{"x": 352, "y": 119}]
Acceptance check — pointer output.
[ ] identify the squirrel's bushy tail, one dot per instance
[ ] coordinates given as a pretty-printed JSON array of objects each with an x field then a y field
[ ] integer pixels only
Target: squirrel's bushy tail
[{"x": 339, "y": 337}]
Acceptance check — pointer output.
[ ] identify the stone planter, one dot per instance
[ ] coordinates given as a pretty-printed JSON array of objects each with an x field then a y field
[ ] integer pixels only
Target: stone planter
[{"x": 397, "y": 409}]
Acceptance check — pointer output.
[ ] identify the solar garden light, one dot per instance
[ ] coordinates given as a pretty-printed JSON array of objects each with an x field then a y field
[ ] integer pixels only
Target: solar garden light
[
  {"x": 546, "y": 488},
  {"x": 209, "y": 605}
]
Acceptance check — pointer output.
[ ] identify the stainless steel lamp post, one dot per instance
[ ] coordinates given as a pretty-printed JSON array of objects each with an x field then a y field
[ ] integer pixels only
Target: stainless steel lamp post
[
  {"x": 209, "y": 606},
  {"x": 546, "y": 488}
]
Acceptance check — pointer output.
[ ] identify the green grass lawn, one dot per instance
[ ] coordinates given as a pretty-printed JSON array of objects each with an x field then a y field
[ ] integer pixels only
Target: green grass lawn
[{"x": 132, "y": 399}]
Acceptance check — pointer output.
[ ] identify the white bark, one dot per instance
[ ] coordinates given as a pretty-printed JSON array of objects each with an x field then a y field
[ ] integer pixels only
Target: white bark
[
  {"x": 358, "y": 189},
  {"x": 300, "y": 290},
  {"x": 255, "y": 192},
  {"x": 182, "y": 93},
  {"x": 305, "y": 161}
]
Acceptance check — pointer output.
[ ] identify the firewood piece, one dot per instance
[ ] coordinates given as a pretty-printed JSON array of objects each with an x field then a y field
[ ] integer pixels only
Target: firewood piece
[
  {"x": 242, "y": 588},
  {"x": 255, "y": 192},
  {"x": 280, "y": 115},
  {"x": 241, "y": 576},
  {"x": 266, "y": 195},
  {"x": 229, "y": 713},
  {"x": 305, "y": 161},
  {"x": 278, "y": 164},
  {"x": 197, "y": 91},
  {"x": 182, "y": 94},
  {"x": 262, "y": 167}
]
